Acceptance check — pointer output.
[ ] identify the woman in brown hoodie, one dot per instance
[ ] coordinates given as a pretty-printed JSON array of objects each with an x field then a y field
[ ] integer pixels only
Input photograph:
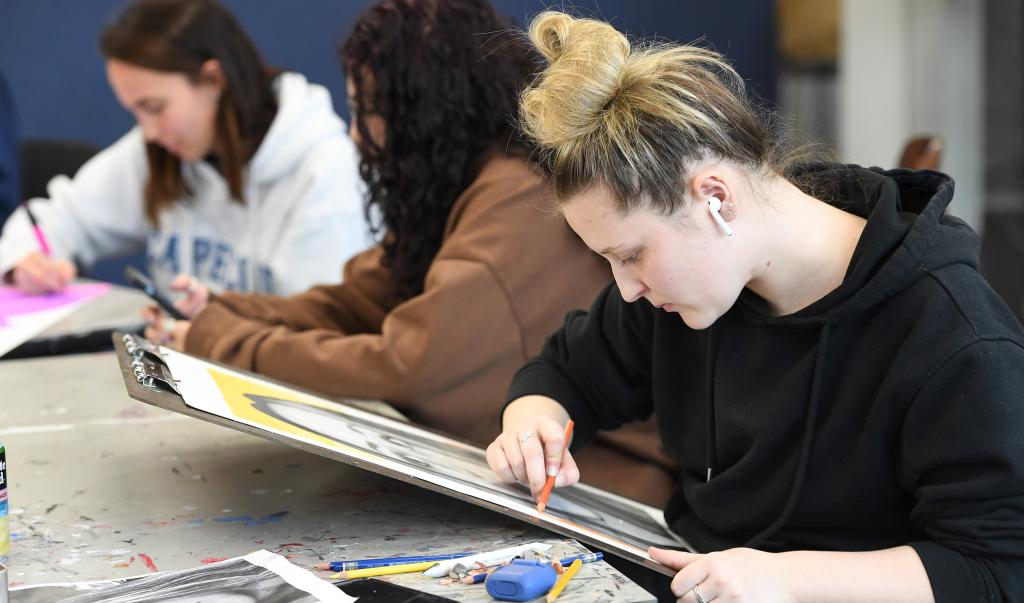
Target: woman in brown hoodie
[{"x": 473, "y": 270}]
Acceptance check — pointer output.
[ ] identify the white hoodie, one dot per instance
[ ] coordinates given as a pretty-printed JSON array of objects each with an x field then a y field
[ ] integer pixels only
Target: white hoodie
[{"x": 301, "y": 220}]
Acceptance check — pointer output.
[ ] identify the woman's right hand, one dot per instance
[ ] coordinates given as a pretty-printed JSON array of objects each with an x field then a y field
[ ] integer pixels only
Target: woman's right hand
[
  {"x": 39, "y": 273},
  {"x": 196, "y": 294},
  {"x": 532, "y": 450}
]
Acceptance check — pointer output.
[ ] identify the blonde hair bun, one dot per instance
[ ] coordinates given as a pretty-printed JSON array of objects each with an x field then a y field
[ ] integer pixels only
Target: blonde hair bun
[
  {"x": 586, "y": 62},
  {"x": 555, "y": 34}
]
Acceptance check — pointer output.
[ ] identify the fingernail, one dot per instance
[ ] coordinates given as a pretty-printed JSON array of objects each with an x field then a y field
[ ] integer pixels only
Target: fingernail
[
  {"x": 552, "y": 470},
  {"x": 559, "y": 481}
]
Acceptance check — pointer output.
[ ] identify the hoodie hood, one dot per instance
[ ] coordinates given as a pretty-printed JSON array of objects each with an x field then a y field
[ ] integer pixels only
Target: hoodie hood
[
  {"x": 908, "y": 235},
  {"x": 305, "y": 119}
]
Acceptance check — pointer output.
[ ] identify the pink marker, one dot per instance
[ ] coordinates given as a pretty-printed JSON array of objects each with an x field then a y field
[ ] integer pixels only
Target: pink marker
[{"x": 39, "y": 232}]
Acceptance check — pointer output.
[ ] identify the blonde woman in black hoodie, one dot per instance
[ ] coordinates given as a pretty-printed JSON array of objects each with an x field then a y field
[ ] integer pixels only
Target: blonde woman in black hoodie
[{"x": 842, "y": 389}]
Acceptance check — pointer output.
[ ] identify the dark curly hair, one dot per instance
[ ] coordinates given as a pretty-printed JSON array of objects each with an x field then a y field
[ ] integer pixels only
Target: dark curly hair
[{"x": 445, "y": 76}]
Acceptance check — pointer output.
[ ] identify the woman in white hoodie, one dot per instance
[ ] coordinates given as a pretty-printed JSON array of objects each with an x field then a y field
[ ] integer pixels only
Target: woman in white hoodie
[{"x": 237, "y": 177}]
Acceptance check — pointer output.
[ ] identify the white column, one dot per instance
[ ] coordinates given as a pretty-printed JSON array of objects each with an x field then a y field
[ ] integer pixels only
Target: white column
[{"x": 910, "y": 67}]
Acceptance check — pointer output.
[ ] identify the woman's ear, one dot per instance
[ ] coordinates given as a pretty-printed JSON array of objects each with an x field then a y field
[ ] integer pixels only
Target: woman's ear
[
  {"x": 211, "y": 73},
  {"x": 708, "y": 183}
]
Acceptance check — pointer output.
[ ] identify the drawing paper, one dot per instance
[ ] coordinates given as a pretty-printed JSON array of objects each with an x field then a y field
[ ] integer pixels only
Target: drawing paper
[
  {"x": 382, "y": 444},
  {"x": 24, "y": 316},
  {"x": 258, "y": 576}
]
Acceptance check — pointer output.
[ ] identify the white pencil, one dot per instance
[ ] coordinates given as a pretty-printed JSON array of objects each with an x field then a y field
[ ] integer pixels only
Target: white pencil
[{"x": 489, "y": 558}]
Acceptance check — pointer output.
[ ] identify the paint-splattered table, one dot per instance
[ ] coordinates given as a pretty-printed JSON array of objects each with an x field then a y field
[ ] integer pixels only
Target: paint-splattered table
[{"x": 104, "y": 487}]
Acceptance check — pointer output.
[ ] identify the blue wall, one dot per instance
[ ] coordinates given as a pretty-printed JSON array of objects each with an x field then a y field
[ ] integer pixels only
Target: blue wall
[{"x": 48, "y": 48}]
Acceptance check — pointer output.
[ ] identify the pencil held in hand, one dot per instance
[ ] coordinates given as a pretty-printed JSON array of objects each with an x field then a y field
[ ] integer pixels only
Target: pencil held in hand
[
  {"x": 44, "y": 246},
  {"x": 39, "y": 273},
  {"x": 550, "y": 482}
]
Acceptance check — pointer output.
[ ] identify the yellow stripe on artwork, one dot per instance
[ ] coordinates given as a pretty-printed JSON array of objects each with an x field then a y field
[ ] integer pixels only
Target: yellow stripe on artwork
[{"x": 234, "y": 390}]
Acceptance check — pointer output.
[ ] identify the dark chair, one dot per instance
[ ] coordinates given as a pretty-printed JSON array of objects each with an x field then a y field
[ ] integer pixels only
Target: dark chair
[
  {"x": 10, "y": 172},
  {"x": 922, "y": 153},
  {"x": 42, "y": 159}
]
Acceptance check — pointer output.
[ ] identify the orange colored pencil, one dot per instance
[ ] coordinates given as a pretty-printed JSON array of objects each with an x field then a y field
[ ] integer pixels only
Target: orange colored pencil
[{"x": 550, "y": 482}]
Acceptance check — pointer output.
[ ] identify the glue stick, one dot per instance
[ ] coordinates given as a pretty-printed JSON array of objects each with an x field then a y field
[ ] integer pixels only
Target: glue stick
[{"x": 5, "y": 526}]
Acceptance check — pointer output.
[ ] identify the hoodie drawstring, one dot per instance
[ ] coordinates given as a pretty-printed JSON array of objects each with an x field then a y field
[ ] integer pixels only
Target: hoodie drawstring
[
  {"x": 255, "y": 236},
  {"x": 710, "y": 388}
]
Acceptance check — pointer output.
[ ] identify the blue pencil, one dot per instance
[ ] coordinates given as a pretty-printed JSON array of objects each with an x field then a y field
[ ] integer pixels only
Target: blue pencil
[
  {"x": 344, "y": 566},
  {"x": 585, "y": 558}
]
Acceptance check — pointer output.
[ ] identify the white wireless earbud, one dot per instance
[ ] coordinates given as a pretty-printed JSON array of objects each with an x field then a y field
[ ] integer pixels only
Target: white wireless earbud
[{"x": 715, "y": 205}]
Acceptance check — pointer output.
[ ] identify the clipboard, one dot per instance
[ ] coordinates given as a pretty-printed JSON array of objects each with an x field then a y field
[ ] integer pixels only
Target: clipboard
[{"x": 344, "y": 431}]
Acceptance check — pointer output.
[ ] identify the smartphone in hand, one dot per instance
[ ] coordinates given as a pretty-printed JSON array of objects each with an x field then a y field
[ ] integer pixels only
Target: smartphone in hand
[{"x": 143, "y": 282}]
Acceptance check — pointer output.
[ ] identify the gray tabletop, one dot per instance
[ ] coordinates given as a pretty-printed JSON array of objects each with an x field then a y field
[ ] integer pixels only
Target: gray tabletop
[
  {"x": 118, "y": 308},
  {"x": 102, "y": 486}
]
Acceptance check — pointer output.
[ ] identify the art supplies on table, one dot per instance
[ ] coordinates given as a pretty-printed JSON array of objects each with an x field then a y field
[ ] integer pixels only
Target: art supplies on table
[
  {"x": 475, "y": 578},
  {"x": 342, "y": 566},
  {"x": 563, "y": 581},
  {"x": 385, "y": 570},
  {"x": 23, "y": 316},
  {"x": 259, "y": 576},
  {"x": 229, "y": 397},
  {"x": 521, "y": 580},
  {"x": 584, "y": 558},
  {"x": 5, "y": 524},
  {"x": 486, "y": 558}
]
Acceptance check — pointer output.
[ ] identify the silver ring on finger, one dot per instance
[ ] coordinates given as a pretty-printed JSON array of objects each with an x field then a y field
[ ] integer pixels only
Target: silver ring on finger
[
  {"x": 697, "y": 596},
  {"x": 526, "y": 435}
]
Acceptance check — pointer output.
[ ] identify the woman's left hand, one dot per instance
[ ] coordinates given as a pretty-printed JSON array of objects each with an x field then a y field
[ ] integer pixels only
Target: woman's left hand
[
  {"x": 165, "y": 330},
  {"x": 730, "y": 575}
]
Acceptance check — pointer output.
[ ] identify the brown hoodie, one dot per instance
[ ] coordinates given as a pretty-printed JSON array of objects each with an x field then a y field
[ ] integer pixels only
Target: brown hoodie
[{"x": 507, "y": 272}]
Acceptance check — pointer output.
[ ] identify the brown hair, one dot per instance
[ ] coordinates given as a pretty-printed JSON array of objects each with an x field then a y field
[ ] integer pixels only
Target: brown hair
[
  {"x": 633, "y": 120},
  {"x": 179, "y": 36}
]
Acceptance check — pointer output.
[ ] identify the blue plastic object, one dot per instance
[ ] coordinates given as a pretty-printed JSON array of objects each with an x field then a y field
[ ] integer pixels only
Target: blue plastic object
[{"x": 521, "y": 580}]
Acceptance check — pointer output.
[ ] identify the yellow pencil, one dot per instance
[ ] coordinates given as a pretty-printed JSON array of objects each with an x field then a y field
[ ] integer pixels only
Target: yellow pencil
[
  {"x": 560, "y": 585},
  {"x": 405, "y": 568}
]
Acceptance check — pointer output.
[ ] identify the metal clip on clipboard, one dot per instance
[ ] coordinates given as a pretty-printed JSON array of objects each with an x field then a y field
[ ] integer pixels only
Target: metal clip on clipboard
[{"x": 147, "y": 364}]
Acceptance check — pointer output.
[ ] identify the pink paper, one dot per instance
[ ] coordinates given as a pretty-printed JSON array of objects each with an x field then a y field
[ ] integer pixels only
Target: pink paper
[{"x": 14, "y": 302}]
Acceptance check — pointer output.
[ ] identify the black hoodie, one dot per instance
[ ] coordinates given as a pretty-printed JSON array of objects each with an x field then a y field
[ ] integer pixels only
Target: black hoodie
[{"x": 889, "y": 412}]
